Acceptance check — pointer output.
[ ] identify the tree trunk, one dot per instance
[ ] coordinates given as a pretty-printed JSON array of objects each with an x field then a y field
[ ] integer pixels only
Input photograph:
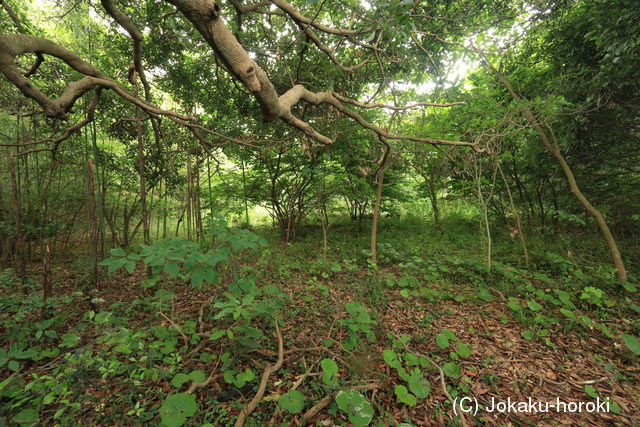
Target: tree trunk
[
  {"x": 93, "y": 224},
  {"x": 433, "y": 197},
  {"x": 141, "y": 172},
  {"x": 516, "y": 215},
  {"x": 46, "y": 279},
  {"x": 17, "y": 219},
  {"x": 376, "y": 215}
]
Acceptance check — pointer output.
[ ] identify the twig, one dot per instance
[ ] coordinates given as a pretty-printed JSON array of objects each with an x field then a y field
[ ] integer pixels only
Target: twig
[
  {"x": 251, "y": 406},
  {"x": 184, "y": 337},
  {"x": 209, "y": 380},
  {"x": 443, "y": 383}
]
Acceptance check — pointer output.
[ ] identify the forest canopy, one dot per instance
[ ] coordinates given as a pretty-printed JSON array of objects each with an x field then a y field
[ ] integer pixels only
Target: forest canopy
[{"x": 187, "y": 183}]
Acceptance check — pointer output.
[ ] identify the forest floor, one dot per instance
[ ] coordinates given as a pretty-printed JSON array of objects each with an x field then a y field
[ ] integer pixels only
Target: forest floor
[{"x": 497, "y": 334}]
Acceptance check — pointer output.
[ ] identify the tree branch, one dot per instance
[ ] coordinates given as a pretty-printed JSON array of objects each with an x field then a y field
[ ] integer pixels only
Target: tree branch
[{"x": 251, "y": 406}]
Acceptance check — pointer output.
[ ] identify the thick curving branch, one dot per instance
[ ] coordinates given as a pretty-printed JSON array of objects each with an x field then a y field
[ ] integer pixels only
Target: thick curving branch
[
  {"x": 307, "y": 25},
  {"x": 12, "y": 45},
  {"x": 294, "y": 13},
  {"x": 205, "y": 16},
  {"x": 394, "y": 107},
  {"x": 255, "y": 8},
  {"x": 136, "y": 38}
]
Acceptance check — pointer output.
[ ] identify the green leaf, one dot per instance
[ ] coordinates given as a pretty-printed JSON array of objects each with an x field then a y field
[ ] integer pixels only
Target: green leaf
[
  {"x": 442, "y": 341},
  {"x": 70, "y": 340},
  {"x": 330, "y": 369},
  {"x": 590, "y": 390},
  {"x": 197, "y": 276},
  {"x": 629, "y": 287},
  {"x": 130, "y": 266},
  {"x": 179, "y": 379},
  {"x": 568, "y": 313},
  {"x": 358, "y": 408},
  {"x": 27, "y": 416},
  {"x": 452, "y": 370},
  {"x": 13, "y": 366},
  {"x": 418, "y": 384},
  {"x": 119, "y": 252},
  {"x": 329, "y": 366},
  {"x": 533, "y": 305},
  {"x": 514, "y": 305},
  {"x": 528, "y": 335},
  {"x": 463, "y": 350},
  {"x": 172, "y": 269},
  {"x": 404, "y": 396},
  {"x": 447, "y": 333},
  {"x": 391, "y": 357},
  {"x": 292, "y": 401},
  {"x": 614, "y": 406},
  {"x": 102, "y": 317},
  {"x": 631, "y": 342},
  {"x": 484, "y": 294},
  {"x": 217, "y": 334},
  {"x": 197, "y": 376},
  {"x": 177, "y": 408}
]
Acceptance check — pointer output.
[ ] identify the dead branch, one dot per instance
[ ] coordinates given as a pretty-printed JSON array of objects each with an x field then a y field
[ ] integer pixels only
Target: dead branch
[
  {"x": 177, "y": 327},
  {"x": 268, "y": 371},
  {"x": 394, "y": 107}
]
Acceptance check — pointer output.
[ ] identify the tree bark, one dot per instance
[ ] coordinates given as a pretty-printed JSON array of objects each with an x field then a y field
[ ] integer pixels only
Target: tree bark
[
  {"x": 93, "y": 223},
  {"x": 376, "y": 215},
  {"x": 17, "y": 219}
]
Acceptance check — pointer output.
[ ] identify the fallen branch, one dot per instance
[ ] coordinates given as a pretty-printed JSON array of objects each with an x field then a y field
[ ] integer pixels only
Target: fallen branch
[
  {"x": 268, "y": 371},
  {"x": 178, "y": 328},
  {"x": 212, "y": 376}
]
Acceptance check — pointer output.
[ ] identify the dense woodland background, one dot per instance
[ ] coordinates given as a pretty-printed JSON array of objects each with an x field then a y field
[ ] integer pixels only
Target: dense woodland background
[{"x": 318, "y": 212}]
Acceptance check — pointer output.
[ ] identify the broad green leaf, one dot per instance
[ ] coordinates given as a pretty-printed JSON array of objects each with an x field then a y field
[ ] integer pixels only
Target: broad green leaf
[
  {"x": 70, "y": 340},
  {"x": 358, "y": 408},
  {"x": 197, "y": 376},
  {"x": 528, "y": 334},
  {"x": 330, "y": 369},
  {"x": 292, "y": 401},
  {"x": 463, "y": 350},
  {"x": 329, "y": 366},
  {"x": 172, "y": 269},
  {"x": 631, "y": 342},
  {"x": 568, "y": 313},
  {"x": 418, "y": 384},
  {"x": 484, "y": 294},
  {"x": 391, "y": 357},
  {"x": 442, "y": 341},
  {"x": 27, "y": 416},
  {"x": 217, "y": 334},
  {"x": 119, "y": 252},
  {"x": 177, "y": 408},
  {"x": 130, "y": 266},
  {"x": 533, "y": 305},
  {"x": 179, "y": 379},
  {"x": 404, "y": 396},
  {"x": 452, "y": 370}
]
